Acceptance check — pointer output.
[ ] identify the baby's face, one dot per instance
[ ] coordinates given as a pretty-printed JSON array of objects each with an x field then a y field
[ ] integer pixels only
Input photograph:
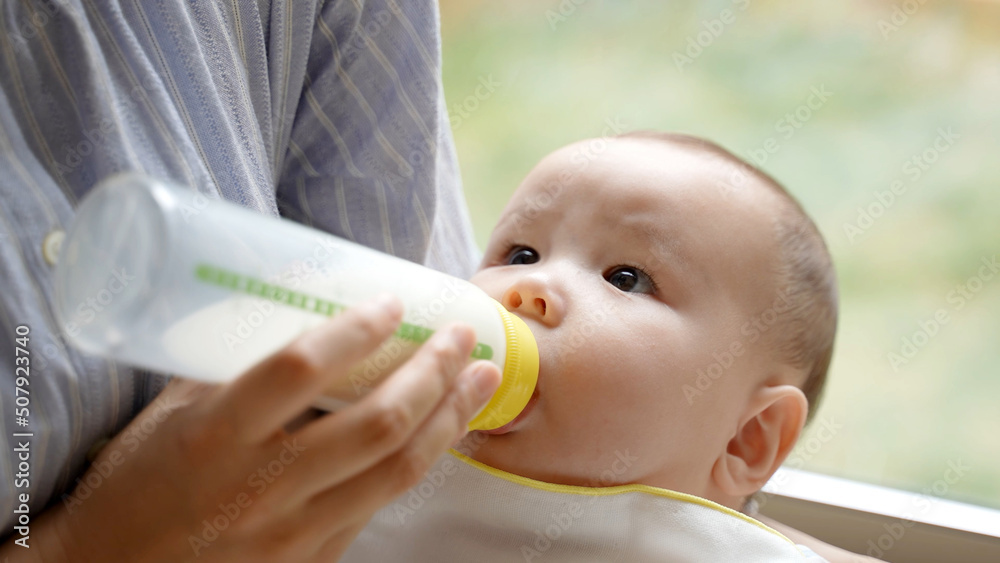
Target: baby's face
[{"x": 632, "y": 267}]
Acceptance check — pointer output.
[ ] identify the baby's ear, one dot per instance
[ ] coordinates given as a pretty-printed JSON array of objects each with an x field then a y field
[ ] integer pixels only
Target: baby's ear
[{"x": 766, "y": 435}]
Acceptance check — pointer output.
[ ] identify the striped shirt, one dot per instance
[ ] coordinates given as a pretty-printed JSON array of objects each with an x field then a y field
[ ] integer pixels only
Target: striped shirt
[{"x": 327, "y": 112}]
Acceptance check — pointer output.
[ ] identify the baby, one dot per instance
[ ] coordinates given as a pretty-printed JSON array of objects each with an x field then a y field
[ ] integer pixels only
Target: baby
[
  {"x": 641, "y": 267},
  {"x": 684, "y": 307}
]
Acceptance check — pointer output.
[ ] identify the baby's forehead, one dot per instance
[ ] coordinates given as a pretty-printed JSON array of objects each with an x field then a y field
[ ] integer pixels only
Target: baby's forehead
[
  {"x": 641, "y": 180},
  {"x": 668, "y": 166},
  {"x": 673, "y": 199}
]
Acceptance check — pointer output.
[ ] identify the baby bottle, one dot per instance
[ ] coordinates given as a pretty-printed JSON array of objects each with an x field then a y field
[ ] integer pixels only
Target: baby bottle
[{"x": 164, "y": 278}]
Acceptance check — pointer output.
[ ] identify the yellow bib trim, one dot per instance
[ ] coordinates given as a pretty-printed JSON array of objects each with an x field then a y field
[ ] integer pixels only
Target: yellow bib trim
[{"x": 615, "y": 490}]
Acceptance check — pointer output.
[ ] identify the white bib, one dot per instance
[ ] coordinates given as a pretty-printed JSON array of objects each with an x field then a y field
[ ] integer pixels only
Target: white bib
[{"x": 466, "y": 511}]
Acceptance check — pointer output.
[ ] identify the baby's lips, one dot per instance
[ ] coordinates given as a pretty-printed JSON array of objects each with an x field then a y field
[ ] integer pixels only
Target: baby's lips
[{"x": 517, "y": 420}]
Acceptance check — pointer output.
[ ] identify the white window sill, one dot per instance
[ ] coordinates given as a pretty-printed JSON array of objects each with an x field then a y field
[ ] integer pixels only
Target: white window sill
[{"x": 885, "y": 523}]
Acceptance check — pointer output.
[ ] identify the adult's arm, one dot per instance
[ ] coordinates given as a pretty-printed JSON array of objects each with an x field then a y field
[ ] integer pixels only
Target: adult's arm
[
  {"x": 370, "y": 154},
  {"x": 831, "y": 553},
  {"x": 217, "y": 478},
  {"x": 204, "y": 94}
]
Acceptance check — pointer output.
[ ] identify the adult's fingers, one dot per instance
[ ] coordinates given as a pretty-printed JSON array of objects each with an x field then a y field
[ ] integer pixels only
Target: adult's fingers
[
  {"x": 370, "y": 490},
  {"x": 358, "y": 437},
  {"x": 262, "y": 400}
]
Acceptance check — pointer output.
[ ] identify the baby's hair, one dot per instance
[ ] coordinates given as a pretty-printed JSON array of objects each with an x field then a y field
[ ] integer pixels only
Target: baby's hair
[{"x": 806, "y": 275}]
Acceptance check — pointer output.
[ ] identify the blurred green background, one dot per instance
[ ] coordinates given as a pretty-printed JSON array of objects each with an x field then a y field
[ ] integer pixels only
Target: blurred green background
[{"x": 550, "y": 72}]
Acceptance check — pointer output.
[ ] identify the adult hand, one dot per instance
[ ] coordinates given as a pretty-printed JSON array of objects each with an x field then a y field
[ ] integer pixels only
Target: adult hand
[{"x": 209, "y": 473}]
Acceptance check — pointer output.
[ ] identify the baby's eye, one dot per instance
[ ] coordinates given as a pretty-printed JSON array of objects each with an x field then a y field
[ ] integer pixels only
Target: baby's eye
[
  {"x": 630, "y": 280},
  {"x": 522, "y": 255}
]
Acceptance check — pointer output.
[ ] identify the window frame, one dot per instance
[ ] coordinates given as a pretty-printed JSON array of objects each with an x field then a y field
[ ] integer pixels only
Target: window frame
[{"x": 869, "y": 519}]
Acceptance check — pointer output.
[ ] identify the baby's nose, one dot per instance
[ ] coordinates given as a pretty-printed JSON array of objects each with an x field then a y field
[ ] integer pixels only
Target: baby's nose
[
  {"x": 532, "y": 298},
  {"x": 538, "y": 304}
]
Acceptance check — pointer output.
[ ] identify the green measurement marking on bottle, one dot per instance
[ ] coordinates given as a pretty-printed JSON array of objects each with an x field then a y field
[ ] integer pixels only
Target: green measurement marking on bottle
[{"x": 283, "y": 296}]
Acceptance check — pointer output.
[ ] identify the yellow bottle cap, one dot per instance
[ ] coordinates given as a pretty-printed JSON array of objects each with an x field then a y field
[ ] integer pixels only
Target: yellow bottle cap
[{"x": 520, "y": 374}]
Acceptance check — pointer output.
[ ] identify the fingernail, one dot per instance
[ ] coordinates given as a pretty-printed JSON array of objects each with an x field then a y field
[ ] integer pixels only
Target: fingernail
[
  {"x": 388, "y": 303},
  {"x": 463, "y": 336},
  {"x": 485, "y": 382}
]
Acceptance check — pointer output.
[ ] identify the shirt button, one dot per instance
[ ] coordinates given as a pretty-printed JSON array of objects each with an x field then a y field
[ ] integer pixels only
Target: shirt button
[{"x": 52, "y": 245}]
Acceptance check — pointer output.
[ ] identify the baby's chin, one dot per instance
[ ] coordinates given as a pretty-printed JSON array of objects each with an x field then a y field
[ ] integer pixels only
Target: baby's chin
[
  {"x": 505, "y": 452},
  {"x": 526, "y": 453},
  {"x": 511, "y": 451}
]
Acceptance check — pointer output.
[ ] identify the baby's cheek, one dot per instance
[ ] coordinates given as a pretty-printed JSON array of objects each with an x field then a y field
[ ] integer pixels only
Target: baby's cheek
[
  {"x": 624, "y": 451},
  {"x": 484, "y": 281}
]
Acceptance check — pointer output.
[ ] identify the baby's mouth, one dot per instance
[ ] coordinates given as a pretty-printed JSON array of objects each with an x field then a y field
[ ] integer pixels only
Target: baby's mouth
[{"x": 510, "y": 426}]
